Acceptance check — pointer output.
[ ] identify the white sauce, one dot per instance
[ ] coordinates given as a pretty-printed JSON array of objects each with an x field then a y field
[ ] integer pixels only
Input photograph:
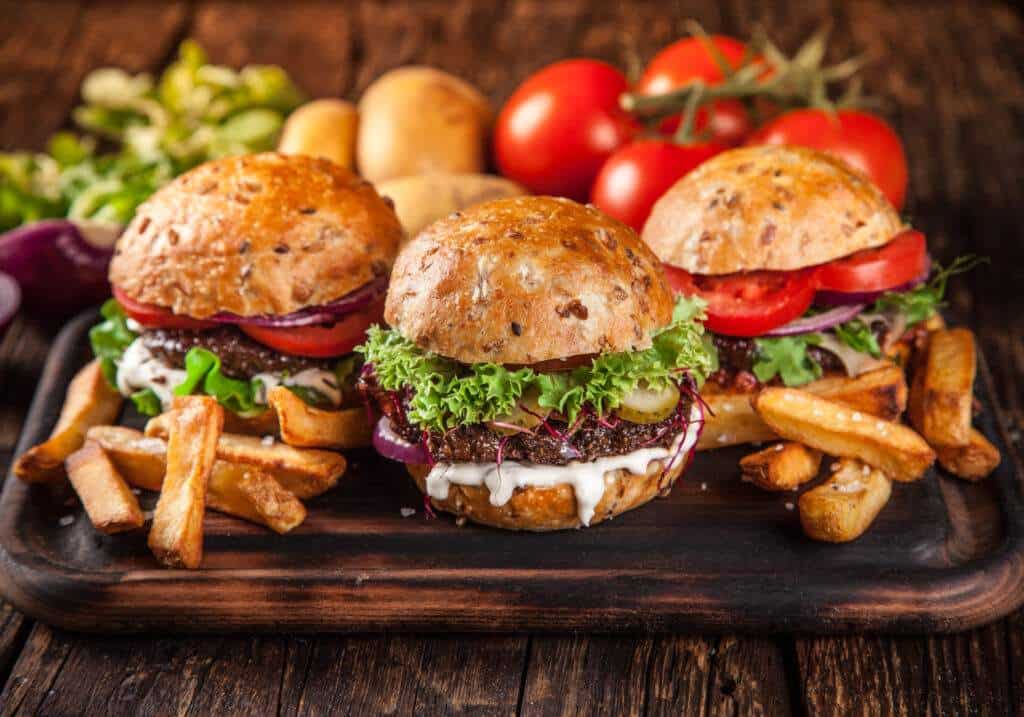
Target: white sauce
[
  {"x": 324, "y": 382},
  {"x": 587, "y": 479},
  {"x": 140, "y": 369}
]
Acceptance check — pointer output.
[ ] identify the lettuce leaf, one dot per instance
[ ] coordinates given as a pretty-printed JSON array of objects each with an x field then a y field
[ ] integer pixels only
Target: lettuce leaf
[
  {"x": 858, "y": 336},
  {"x": 446, "y": 394},
  {"x": 203, "y": 373},
  {"x": 110, "y": 338},
  {"x": 147, "y": 402},
  {"x": 924, "y": 301},
  {"x": 787, "y": 358}
]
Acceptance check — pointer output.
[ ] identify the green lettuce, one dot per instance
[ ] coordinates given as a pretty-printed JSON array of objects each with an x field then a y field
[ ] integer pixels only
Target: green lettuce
[
  {"x": 787, "y": 357},
  {"x": 858, "y": 336},
  {"x": 446, "y": 394},
  {"x": 147, "y": 402},
  {"x": 924, "y": 301},
  {"x": 110, "y": 338},
  {"x": 203, "y": 374}
]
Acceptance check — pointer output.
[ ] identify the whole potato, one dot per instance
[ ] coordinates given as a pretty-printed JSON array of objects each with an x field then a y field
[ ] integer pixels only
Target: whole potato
[
  {"x": 322, "y": 128},
  {"x": 419, "y": 119},
  {"x": 423, "y": 199}
]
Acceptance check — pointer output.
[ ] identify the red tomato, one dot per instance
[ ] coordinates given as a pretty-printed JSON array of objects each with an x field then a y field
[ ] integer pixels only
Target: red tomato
[
  {"x": 687, "y": 60},
  {"x": 747, "y": 304},
  {"x": 636, "y": 176},
  {"x": 862, "y": 140},
  {"x": 157, "y": 317},
  {"x": 902, "y": 260},
  {"x": 321, "y": 341},
  {"x": 560, "y": 125}
]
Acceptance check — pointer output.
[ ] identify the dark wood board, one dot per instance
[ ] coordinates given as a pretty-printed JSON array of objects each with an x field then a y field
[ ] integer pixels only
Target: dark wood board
[{"x": 718, "y": 554}]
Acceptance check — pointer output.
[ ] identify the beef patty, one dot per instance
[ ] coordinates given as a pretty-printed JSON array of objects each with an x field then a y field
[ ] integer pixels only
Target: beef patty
[
  {"x": 240, "y": 356},
  {"x": 477, "y": 443}
]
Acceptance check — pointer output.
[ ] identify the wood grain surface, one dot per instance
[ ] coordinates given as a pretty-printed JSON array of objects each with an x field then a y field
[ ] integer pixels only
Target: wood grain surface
[{"x": 950, "y": 75}]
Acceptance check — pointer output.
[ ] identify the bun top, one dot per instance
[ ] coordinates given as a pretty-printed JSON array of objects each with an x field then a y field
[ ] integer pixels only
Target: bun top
[
  {"x": 527, "y": 279},
  {"x": 771, "y": 207},
  {"x": 260, "y": 234}
]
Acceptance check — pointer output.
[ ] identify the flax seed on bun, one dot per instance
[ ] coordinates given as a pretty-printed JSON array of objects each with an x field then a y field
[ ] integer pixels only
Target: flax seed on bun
[
  {"x": 261, "y": 234},
  {"x": 772, "y": 207},
  {"x": 527, "y": 279}
]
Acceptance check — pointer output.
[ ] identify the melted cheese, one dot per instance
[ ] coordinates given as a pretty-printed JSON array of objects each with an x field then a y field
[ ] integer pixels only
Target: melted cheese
[
  {"x": 323, "y": 382},
  {"x": 588, "y": 480}
]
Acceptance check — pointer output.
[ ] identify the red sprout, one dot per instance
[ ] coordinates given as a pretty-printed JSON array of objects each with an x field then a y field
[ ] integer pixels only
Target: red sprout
[{"x": 428, "y": 509}]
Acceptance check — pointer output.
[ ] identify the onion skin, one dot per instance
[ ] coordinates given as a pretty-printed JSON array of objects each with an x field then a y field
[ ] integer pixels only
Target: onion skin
[
  {"x": 60, "y": 271},
  {"x": 391, "y": 445},
  {"x": 311, "y": 316},
  {"x": 10, "y": 301},
  {"x": 819, "y": 322}
]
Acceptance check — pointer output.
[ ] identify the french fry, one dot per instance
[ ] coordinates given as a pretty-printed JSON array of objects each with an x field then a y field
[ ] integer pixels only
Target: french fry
[
  {"x": 142, "y": 460},
  {"x": 107, "y": 499},
  {"x": 838, "y": 430},
  {"x": 844, "y": 506},
  {"x": 304, "y": 426},
  {"x": 176, "y": 538},
  {"x": 263, "y": 424},
  {"x": 881, "y": 392},
  {"x": 256, "y": 497},
  {"x": 972, "y": 462},
  {"x": 90, "y": 400},
  {"x": 306, "y": 472},
  {"x": 784, "y": 466},
  {"x": 942, "y": 397}
]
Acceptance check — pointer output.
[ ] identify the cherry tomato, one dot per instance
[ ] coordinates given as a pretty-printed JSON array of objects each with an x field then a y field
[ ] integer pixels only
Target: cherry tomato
[
  {"x": 157, "y": 317},
  {"x": 560, "y": 125},
  {"x": 636, "y": 176},
  {"x": 686, "y": 60},
  {"x": 750, "y": 303},
  {"x": 902, "y": 260},
  {"x": 862, "y": 140},
  {"x": 322, "y": 341}
]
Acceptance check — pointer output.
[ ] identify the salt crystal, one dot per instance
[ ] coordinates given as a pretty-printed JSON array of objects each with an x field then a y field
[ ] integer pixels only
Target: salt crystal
[
  {"x": 866, "y": 470},
  {"x": 723, "y": 438},
  {"x": 267, "y": 440},
  {"x": 703, "y": 486},
  {"x": 790, "y": 506},
  {"x": 66, "y": 520},
  {"x": 406, "y": 512},
  {"x": 148, "y": 515},
  {"x": 857, "y": 416},
  {"x": 778, "y": 446},
  {"x": 136, "y": 491}
]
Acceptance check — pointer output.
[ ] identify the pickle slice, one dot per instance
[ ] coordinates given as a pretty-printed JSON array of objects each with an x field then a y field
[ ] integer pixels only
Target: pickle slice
[
  {"x": 642, "y": 405},
  {"x": 526, "y": 415}
]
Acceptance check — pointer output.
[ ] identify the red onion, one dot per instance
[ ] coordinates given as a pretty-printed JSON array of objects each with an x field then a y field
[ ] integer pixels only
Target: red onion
[
  {"x": 10, "y": 301},
  {"x": 325, "y": 313},
  {"x": 60, "y": 264},
  {"x": 818, "y": 322},
  {"x": 845, "y": 298},
  {"x": 390, "y": 445}
]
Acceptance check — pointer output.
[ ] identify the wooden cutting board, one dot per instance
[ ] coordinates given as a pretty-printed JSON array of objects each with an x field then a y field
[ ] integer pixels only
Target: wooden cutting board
[{"x": 716, "y": 554}]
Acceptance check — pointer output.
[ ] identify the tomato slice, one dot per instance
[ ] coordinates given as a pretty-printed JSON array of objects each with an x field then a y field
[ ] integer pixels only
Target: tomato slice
[
  {"x": 157, "y": 317},
  {"x": 750, "y": 303},
  {"x": 902, "y": 260},
  {"x": 320, "y": 341}
]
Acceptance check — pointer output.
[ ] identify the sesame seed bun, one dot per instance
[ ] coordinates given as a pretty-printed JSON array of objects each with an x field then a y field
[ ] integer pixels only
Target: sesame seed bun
[
  {"x": 527, "y": 279},
  {"x": 772, "y": 207},
  {"x": 260, "y": 234}
]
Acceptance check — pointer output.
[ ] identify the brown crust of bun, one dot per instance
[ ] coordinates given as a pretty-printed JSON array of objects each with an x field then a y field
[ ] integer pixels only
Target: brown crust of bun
[
  {"x": 770, "y": 207},
  {"x": 262, "y": 234},
  {"x": 544, "y": 509},
  {"x": 527, "y": 279}
]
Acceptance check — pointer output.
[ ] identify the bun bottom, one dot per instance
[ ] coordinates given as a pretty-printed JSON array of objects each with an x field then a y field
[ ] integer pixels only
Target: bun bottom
[{"x": 554, "y": 508}]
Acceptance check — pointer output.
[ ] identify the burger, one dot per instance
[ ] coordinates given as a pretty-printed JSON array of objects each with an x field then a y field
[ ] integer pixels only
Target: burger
[
  {"x": 805, "y": 268},
  {"x": 538, "y": 374},
  {"x": 244, "y": 274}
]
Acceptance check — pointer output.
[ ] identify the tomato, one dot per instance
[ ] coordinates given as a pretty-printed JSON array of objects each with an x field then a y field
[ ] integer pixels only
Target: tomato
[
  {"x": 747, "y": 304},
  {"x": 900, "y": 261},
  {"x": 560, "y": 125},
  {"x": 861, "y": 139},
  {"x": 636, "y": 176},
  {"x": 686, "y": 60},
  {"x": 157, "y": 317},
  {"x": 320, "y": 341}
]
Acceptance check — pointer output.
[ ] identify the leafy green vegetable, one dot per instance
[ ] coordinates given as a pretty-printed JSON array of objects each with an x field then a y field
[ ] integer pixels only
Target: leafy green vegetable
[
  {"x": 447, "y": 394},
  {"x": 858, "y": 336},
  {"x": 787, "y": 357},
  {"x": 924, "y": 301},
  {"x": 110, "y": 338},
  {"x": 147, "y": 402},
  {"x": 203, "y": 373}
]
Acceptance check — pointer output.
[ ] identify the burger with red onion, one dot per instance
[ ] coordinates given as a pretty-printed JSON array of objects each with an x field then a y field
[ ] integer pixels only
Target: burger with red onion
[
  {"x": 805, "y": 267},
  {"x": 244, "y": 274},
  {"x": 538, "y": 374}
]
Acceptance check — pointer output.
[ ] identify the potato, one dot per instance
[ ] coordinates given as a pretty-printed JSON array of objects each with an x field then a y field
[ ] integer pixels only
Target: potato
[
  {"x": 322, "y": 128},
  {"x": 942, "y": 395},
  {"x": 783, "y": 466},
  {"x": 106, "y": 497},
  {"x": 415, "y": 120},
  {"x": 305, "y": 426},
  {"x": 423, "y": 199},
  {"x": 972, "y": 462},
  {"x": 844, "y": 506}
]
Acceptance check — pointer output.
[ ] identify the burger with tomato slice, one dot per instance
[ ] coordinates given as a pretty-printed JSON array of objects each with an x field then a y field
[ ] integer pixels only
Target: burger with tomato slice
[
  {"x": 806, "y": 267},
  {"x": 244, "y": 274},
  {"x": 539, "y": 374}
]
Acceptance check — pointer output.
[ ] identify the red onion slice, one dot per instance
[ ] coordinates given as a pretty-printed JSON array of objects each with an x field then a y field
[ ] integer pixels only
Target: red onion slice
[
  {"x": 10, "y": 301},
  {"x": 60, "y": 264},
  {"x": 310, "y": 316},
  {"x": 818, "y": 322},
  {"x": 390, "y": 445}
]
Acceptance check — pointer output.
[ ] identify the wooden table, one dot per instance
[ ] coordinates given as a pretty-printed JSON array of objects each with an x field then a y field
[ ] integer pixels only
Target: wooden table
[{"x": 951, "y": 78}]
